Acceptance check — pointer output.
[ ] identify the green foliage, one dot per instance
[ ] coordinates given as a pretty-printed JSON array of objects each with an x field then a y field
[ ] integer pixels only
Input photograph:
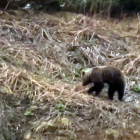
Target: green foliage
[
  {"x": 77, "y": 74},
  {"x": 60, "y": 107},
  {"x": 136, "y": 88},
  {"x": 27, "y": 113}
]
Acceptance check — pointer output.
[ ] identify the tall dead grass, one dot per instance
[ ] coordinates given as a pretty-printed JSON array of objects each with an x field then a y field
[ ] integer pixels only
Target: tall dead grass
[{"x": 41, "y": 93}]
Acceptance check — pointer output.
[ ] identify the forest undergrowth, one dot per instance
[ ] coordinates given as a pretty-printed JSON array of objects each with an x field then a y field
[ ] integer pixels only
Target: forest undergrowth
[{"x": 41, "y": 92}]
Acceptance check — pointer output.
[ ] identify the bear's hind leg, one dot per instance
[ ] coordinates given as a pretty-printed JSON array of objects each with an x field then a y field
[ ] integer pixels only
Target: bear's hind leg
[
  {"x": 121, "y": 93},
  {"x": 111, "y": 92}
]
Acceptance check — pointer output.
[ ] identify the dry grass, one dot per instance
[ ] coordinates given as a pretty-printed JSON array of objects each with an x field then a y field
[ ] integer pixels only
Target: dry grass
[{"x": 41, "y": 93}]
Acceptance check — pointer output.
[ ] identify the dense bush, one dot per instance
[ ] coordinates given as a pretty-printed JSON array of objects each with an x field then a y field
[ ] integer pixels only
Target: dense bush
[{"x": 105, "y": 7}]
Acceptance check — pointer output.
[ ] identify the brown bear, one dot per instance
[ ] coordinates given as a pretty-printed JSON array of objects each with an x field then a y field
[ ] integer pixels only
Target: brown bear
[{"x": 105, "y": 74}]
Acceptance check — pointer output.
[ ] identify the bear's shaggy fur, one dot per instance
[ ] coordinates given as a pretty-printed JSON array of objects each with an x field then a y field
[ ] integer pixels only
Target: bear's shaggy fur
[{"x": 105, "y": 74}]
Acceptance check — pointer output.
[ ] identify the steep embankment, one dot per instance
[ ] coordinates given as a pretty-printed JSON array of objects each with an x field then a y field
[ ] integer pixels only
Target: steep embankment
[{"x": 41, "y": 59}]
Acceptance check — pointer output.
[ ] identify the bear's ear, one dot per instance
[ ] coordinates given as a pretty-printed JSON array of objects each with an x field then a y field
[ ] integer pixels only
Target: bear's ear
[{"x": 83, "y": 73}]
